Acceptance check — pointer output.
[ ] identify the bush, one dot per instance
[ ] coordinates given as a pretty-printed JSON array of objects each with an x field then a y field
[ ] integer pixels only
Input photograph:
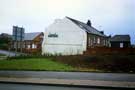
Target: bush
[{"x": 107, "y": 63}]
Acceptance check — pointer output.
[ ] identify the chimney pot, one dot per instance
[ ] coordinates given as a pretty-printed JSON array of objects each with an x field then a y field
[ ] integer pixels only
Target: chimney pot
[
  {"x": 102, "y": 32},
  {"x": 89, "y": 23}
]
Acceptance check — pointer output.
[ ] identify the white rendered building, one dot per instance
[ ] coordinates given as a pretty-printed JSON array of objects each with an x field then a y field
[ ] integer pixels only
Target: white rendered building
[{"x": 69, "y": 37}]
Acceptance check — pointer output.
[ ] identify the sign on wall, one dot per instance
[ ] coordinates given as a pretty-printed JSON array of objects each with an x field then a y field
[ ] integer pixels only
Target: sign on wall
[{"x": 54, "y": 35}]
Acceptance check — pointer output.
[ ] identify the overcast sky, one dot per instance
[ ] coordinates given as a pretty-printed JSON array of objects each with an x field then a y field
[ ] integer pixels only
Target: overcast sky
[{"x": 112, "y": 16}]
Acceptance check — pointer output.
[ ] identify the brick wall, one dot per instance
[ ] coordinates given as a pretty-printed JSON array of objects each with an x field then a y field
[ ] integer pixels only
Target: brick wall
[{"x": 107, "y": 50}]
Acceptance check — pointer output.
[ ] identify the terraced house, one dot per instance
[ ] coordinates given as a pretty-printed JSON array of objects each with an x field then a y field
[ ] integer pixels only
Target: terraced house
[
  {"x": 95, "y": 38},
  {"x": 71, "y": 37}
]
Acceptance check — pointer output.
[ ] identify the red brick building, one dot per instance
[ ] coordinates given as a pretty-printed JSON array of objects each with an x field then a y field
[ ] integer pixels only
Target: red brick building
[{"x": 31, "y": 44}]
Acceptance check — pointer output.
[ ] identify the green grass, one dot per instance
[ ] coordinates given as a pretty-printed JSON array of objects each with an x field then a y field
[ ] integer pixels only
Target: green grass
[{"x": 34, "y": 64}]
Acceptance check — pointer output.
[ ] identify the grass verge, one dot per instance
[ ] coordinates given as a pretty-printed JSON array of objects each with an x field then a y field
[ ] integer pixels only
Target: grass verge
[
  {"x": 98, "y": 63},
  {"x": 34, "y": 64}
]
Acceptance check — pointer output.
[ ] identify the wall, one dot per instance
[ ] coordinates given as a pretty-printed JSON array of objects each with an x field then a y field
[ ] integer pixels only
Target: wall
[{"x": 109, "y": 51}]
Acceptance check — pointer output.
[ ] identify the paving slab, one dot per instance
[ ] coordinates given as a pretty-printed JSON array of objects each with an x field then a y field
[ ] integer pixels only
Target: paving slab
[{"x": 79, "y": 83}]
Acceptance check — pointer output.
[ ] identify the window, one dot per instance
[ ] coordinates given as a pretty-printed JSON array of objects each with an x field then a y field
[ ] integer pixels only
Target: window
[
  {"x": 89, "y": 42},
  {"x": 94, "y": 40},
  {"x": 19, "y": 44},
  {"x": 98, "y": 40},
  {"x": 121, "y": 45},
  {"x": 15, "y": 45},
  {"x": 24, "y": 45},
  {"x": 34, "y": 46},
  {"x": 28, "y": 46},
  {"x": 104, "y": 42}
]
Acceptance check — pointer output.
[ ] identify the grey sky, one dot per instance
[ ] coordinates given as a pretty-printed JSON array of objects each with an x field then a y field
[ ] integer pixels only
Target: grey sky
[{"x": 112, "y": 16}]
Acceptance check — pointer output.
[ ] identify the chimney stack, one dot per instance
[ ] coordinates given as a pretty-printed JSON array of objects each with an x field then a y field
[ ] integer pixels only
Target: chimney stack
[
  {"x": 89, "y": 23},
  {"x": 102, "y": 32}
]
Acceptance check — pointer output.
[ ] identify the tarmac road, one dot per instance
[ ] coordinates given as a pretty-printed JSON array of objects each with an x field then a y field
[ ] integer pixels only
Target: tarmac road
[
  {"x": 9, "y": 53},
  {"x": 70, "y": 75},
  {"x": 42, "y": 87}
]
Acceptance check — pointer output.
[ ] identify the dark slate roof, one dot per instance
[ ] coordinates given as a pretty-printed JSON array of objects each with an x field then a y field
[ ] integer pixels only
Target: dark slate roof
[
  {"x": 86, "y": 27},
  {"x": 5, "y": 35},
  {"x": 31, "y": 36},
  {"x": 120, "y": 38}
]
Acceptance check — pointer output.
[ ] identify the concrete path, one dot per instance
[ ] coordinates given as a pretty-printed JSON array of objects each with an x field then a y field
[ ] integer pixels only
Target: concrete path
[{"x": 67, "y": 82}]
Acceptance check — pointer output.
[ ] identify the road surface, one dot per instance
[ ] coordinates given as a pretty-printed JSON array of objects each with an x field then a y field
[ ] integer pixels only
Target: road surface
[
  {"x": 70, "y": 75},
  {"x": 9, "y": 53},
  {"x": 41, "y": 87}
]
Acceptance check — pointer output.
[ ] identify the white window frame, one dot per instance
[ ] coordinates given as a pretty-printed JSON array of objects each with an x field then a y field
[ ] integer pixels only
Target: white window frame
[
  {"x": 94, "y": 40},
  {"x": 98, "y": 40},
  {"x": 121, "y": 45},
  {"x": 28, "y": 46},
  {"x": 34, "y": 46},
  {"x": 89, "y": 44}
]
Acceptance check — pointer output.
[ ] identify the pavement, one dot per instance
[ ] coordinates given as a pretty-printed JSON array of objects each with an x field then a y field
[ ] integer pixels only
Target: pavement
[
  {"x": 67, "y": 82},
  {"x": 83, "y": 82},
  {"x": 123, "y": 77}
]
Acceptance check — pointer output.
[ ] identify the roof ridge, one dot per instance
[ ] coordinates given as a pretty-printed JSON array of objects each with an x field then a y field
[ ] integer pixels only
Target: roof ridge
[
  {"x": 86, "y": 27},
  {"x": 120, "y": 38},
  {"x": 122, "y": 35},
  {"x": 33, "y": 32},
  {"x": 31, "y": 36},
  {"x": 75, "y": 20}
]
